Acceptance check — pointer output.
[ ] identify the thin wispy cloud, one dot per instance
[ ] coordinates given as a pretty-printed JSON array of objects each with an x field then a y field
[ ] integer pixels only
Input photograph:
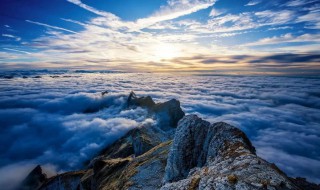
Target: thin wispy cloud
[
  {"x": 15, "y": 50},
  {"x": 50, "y": 26},
  {"x": 11, "y": 36},
  {"x": 253, "y": 2},
  {"x": 287, "y": 38},
  {"x": 175, "y": 9},
  {"x": 91, "y": 9}
]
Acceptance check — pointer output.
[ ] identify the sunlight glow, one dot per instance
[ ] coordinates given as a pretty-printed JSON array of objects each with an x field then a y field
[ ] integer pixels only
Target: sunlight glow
[{"x": 165, "y": 51}]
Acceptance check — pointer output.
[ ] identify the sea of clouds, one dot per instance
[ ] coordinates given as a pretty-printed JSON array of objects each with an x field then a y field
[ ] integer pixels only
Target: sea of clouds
[{"x": 60, "y": 119}]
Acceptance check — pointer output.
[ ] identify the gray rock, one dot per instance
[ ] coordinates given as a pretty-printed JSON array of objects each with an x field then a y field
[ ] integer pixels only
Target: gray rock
[
  {"x": 218, "y": 156},
  {"x": 65, "y": 181}
]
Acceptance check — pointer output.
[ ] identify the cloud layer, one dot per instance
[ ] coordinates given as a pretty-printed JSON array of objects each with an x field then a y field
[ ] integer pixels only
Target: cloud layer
[{"x": 60, "y": 120}]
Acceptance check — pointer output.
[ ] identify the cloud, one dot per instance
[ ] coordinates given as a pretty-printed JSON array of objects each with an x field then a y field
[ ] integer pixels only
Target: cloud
[
  {"x": 15, "y": 50},
  {"x": 50, "y": 26},
  {"x": 215, "y": 12},
  {"x": 286, "y": 38},
  {"x": 279, "y": 114},
  {"x": 93, "y": 10},
  {"x": 288, "y": 58},
  {"x": 16, "y": 38},
  {"x": 295, "y": 3},
  {"x": 78, "y": 134},
  {"x": 253, "y": 2},
  {"x": 312, "y": 18},
  {"x": 176, "y": 8}
]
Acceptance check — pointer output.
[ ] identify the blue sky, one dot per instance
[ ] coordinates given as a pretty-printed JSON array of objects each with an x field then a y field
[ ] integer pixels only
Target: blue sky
[{"x": 224, "y": 36}]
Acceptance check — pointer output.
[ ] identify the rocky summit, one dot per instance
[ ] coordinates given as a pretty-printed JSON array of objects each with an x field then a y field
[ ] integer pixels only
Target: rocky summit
[{"x": 178, "y": 153}]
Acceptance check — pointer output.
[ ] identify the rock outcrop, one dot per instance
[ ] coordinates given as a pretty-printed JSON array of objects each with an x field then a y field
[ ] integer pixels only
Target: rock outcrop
[
  {"x": 145, "y": 102},
  {"x": 302, "y": 183},
  {"x": 200, "y": 156},
  {"x": 34, "y": 180},
  {"x": 65, "y": 181},
  {"x": 142, "y": 172},
  {"x": 218, "y": 156},
  {"x": 168, "y": 113}
]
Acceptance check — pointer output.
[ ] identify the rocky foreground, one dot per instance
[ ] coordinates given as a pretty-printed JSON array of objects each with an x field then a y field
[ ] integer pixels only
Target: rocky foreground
[{"x": 179, "y": 153}]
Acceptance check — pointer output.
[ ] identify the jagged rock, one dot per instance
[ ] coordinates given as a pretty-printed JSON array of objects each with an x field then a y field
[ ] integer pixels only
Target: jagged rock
[
  {"x": 104, "y": 93},
  {"x": 145, "y": 102},
  {"x": 65, "y": 181},
  {"x": 142, "y": 172},
  {"x": 34, "y": 179},
  {"x": 218, "y": 156},
  {"x": 168, "y": 113},
  {"x": 304, "y": 184},
  {"x": 135, "y": 142}
]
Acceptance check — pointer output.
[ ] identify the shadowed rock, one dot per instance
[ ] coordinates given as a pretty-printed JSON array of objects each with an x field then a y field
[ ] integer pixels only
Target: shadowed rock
[
  {"x": 66, "y": 181},
  {"x": 34, "y": 179},
  {"x": 304, "y": 184},
  {"x": 168, "y": 113},
  {"x": 145, "y": 102}
]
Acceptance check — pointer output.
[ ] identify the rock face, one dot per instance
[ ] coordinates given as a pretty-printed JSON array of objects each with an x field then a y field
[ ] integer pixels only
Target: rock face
[
  {"x": 65, "y": 181},
  {"x": 218, "y": 156},
  {"x": 34, "y": 180},
  {"x": 168, "y": 113},
  {"x": 142, "y": 172},
  {"x": 145, "y": 102},
  {"x": 201, "y": 156},
  {"x": 304, "y": 184}
]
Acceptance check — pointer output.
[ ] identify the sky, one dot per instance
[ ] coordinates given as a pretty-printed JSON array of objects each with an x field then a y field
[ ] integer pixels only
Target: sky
[{"x": 214, "y": 36}]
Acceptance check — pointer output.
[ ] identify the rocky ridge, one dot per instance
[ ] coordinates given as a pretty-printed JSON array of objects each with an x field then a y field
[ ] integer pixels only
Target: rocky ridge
[{"x": 181, "y": 152}]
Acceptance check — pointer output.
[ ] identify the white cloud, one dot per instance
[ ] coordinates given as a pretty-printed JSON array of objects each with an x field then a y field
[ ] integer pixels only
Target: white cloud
[
  {"x": 253, "y": 2},
  {"x": 174, "y": 10},
  {"x": 273, "y": 111},
  {"x": 286, "y": 38},
  {"x": 15, "y": 50},
  {"x": 50, "y": 26},
  {"x": 93, "y": 10},
  {"x": 312, "y": 18},
  {"x": 216, "y": 12},
  {"x": 16, "y": 38},
  {"x": 276, "y": 17},
  {"x": 296, "y": 3}
]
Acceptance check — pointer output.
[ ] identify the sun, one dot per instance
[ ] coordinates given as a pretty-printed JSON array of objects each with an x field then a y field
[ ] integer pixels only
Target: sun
[{"x": 165, "y": 51}]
